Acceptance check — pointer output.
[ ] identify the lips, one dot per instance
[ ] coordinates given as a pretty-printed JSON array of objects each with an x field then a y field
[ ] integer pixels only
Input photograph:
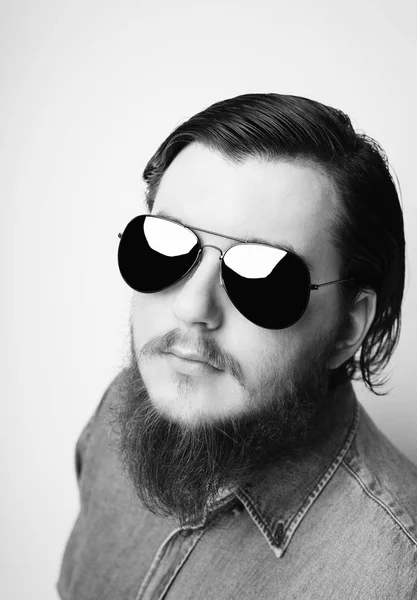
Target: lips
[
  {"x": 191, "y": 358},
  {"x": 188, "y": 355}
]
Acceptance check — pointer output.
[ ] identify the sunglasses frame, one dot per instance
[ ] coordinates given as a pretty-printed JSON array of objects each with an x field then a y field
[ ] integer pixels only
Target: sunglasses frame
[{"x": 239, "y": 242}]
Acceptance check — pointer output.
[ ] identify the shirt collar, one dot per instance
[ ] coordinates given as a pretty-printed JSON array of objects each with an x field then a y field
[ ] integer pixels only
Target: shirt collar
[{"x": 278, "y": 498}]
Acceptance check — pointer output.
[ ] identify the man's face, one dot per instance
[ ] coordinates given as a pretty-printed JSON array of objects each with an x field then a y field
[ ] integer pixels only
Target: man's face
[{"x": 273, "y": 381}]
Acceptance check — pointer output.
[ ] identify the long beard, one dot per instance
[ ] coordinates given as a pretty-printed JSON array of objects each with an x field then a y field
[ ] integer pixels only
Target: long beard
[{"x": 177, "y": 471}]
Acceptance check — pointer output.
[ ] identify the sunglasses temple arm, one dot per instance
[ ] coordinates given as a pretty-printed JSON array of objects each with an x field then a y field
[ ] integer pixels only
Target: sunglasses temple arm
[{"x": 316, "y": 286}]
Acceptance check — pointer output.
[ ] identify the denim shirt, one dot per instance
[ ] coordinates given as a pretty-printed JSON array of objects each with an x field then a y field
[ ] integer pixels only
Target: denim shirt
[{"x": 336, "y": 521}]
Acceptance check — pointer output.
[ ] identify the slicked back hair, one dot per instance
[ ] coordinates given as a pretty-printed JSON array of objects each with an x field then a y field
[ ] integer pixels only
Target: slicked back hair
[{"x": 368, "y": 231}]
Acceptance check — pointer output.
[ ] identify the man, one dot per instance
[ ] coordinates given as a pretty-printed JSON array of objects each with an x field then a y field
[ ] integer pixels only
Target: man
[{"x": 230, "y": 457}]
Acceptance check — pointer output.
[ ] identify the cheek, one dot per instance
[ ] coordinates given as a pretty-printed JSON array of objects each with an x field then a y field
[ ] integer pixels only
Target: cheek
[
  {"x": 149, "y": 316},
  {"x": 321, "y": 316},
  {"x": 274, "y": 354},
  {"x": 262, "y": 354}
]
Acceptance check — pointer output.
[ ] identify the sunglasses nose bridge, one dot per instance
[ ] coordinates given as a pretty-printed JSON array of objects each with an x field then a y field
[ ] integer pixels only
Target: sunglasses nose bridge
[
  {"x": 220, "y": 258},
  {"x": 216, "y": 247}
]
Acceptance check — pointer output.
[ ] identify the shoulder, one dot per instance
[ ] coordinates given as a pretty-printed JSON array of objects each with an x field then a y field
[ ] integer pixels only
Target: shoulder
[
  {"x": 98, "y": 428},
  {"x": 383, "y": 475},
  {"x": 371, "y": 508},
  {"x": 362, "y": 527}
]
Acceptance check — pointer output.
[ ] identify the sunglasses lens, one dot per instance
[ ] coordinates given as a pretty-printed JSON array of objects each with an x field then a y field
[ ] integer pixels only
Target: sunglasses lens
[
  {"x": 154, "y": 253},
  {"x": 269, "y": 286}
]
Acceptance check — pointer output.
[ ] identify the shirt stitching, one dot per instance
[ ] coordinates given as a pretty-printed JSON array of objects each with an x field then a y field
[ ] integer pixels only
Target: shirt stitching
[
  {"x": 155, "y": 563},
  {"x": 260, "y": 523},
  {"x": 190, "y": 548},
  {"x": 159, "y": 557},
  {"x": 382, "y": 504},
  {"x": 325, "y": 479},
  {"x": 279, "y": 549}
]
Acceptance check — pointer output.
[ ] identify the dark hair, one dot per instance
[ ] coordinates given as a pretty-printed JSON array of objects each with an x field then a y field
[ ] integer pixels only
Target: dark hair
[{"x": 369, "y": 230}]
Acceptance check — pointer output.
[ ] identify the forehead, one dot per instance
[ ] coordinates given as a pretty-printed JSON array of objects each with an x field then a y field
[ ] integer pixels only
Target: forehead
[{"x": 280, "y": 202}]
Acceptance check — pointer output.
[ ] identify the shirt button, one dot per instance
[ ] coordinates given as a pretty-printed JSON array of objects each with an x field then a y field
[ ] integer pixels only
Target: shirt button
[{"x": 186, "y": 532}]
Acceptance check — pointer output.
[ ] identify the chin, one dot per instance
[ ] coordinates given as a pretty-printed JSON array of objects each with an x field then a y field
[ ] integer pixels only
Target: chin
[{"x": 189, "y": 400}]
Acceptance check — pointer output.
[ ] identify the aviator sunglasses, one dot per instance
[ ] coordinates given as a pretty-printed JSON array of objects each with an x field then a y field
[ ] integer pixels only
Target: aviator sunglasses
[{"x": 269, "y": 285}]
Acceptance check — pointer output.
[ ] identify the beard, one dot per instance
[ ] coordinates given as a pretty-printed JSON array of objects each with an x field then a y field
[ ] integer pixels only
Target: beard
[{"x": 178, "y": 471}]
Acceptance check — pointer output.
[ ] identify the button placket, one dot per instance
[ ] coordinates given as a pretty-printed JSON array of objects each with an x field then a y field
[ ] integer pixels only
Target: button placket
[{"x": 169, "y": 559}]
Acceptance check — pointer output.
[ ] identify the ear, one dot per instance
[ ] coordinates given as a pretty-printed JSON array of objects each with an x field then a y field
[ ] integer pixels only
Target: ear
[{"x": 359, "y": 321}]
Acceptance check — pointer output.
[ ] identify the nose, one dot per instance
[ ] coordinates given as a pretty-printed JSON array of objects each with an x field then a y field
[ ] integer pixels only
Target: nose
[{"x": 198, "y": 297}]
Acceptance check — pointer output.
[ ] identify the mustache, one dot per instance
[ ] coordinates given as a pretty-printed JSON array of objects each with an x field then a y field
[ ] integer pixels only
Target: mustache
[{"x": 204, "y": 345}]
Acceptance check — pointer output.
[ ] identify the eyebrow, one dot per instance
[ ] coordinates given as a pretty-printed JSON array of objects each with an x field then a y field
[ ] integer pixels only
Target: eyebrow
[{"x": 252, "y": 240}]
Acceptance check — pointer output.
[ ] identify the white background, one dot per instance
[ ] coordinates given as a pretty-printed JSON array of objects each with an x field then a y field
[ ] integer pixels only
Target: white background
[{"x": 89, "y": 89}]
